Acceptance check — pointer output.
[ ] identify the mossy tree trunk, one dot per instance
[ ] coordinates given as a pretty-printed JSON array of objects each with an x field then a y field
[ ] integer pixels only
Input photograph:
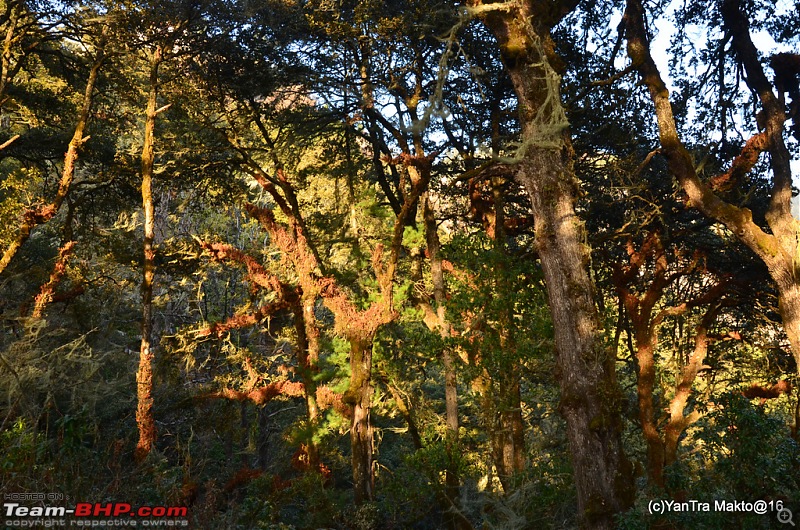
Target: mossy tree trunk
[
  {"x": 452, "y": 480},
  {"x": 308, "y": 349},
  {"x": 589, "y": 394},
  {"x": 359, "y": 396},
  {"x": 41, "y": 214},
  {"x": 144, "y": 376}
]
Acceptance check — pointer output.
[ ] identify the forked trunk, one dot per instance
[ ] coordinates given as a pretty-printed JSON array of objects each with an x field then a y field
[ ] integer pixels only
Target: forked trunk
[{"x": 779, "y": 248}]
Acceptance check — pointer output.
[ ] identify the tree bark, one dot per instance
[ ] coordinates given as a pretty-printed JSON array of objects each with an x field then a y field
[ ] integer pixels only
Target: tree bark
[
  {"x": 639, "y": 309},
  {"x": 510, "y": 437},
  {"x": 307, "y": 355},
  {"x": 144, "y": 376},
  {"x": 359, "y": 395},
  {"x": 589, "y": 394},
  {"x": 590, "y": 398},
  {"x": 678, "y": 420},
  {"x": 18, "y": 22},
  {"x": 47, "y": 291}
]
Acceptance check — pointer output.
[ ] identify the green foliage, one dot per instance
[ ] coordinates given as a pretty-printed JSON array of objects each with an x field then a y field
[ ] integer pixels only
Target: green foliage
[
  {"x": 506, "y": 297},
  {"x": 22, "y": 448},
  {"x": 740, "y": 453},
  {"x": 20, "y": 187},
  {"x": 750, "y": 453}
]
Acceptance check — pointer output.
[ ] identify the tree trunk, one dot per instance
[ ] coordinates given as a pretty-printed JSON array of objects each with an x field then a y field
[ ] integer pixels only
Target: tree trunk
[
  {"x": 452, "y": 481},
  {"x": 359, "y": 395},
  {"x": 451, "y": 477},
  {"x": 589, "y": 395},
  {"x": 510, "y": 437},
  {"x": 307, "y": 356},
  {"x": 678, "y": 421},
  {"x": 7, "y": 69},
  {"x": 789, "y": 305},
  {"x": 639, "y": 309},
  {"x": 144, "y": 376},
  {"x": 645, "y": 384}
]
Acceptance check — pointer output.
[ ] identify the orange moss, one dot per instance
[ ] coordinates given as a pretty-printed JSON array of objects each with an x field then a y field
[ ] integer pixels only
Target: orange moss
[
  {"x": 326, "y": 398},
  {"x": 741, "y": 165},
  {"x": 46, "y": 294},
  {"x": 764, "y": 393},
  {"x": 241, "y": 478},
  {"x": 256, "y": 272},
  {"x": 219, "y": 329},
  {"x": 39, "y": 214},
  {"x": 302, "y": 462},
  {"x": 260, "y": 395}
]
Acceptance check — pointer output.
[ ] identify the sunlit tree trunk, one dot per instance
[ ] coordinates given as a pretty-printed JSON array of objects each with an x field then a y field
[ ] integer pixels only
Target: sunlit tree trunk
[
  {"x": 452, "y": 480},
  {"x": 47, "y": 291},
  {"x": 678, "y": 419},
  {"x": 645, "y": 324},
  {"x": 11, "y": 36},
  {"x": 144, "y": 376},
  {"x": 645, "y": 311},
  {"x": 590, "y": 399},
  {"x": 779, "y": 250}
]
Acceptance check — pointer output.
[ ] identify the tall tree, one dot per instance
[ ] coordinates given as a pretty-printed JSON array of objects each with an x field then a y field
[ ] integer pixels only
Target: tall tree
[
  {"x": 153, "y": 31},
  {"x": 543, "y": 164},
  {"x": 144, "y": 375}
]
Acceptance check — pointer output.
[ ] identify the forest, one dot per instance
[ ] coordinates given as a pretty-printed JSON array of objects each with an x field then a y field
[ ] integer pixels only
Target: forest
[{"x": 400, "y": 264}]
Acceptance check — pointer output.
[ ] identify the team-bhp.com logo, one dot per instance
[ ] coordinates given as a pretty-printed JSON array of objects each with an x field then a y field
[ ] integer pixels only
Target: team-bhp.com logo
[
  {"x": 120, "y": 509},
  {"x": 87, "y": 514}
]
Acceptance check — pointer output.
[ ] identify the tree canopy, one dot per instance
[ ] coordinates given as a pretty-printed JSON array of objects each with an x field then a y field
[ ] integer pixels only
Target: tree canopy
[{"x": 402, "y": 263}]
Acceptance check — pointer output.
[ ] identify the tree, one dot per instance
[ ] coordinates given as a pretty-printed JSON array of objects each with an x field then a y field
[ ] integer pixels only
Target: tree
[
  {"x": 778, "y": 248},
  {"x": 544, "y": 166}
]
